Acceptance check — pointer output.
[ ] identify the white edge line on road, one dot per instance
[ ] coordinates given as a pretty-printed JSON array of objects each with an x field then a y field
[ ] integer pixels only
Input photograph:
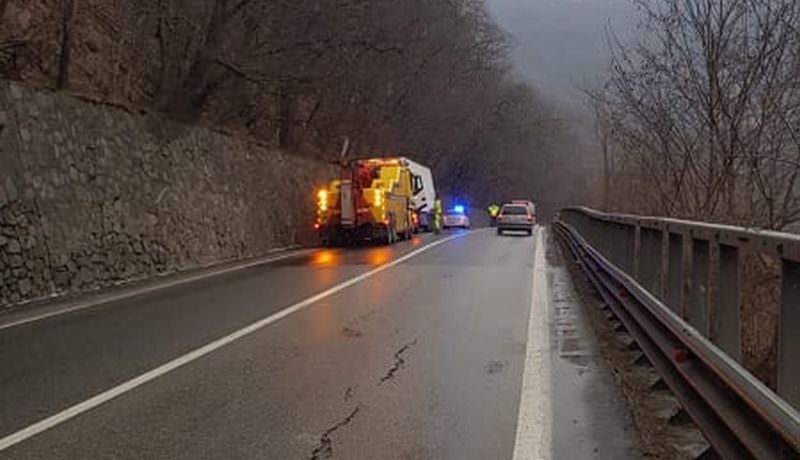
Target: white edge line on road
[
  {"x": 534, "y": 422},
  {"x": 97, "y": 400},
  {"x": 108, "y": 298}
]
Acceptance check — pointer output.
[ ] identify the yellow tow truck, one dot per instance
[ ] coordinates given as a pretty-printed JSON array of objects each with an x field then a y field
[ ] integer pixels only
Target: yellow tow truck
[{"x": 371, "y": 200}]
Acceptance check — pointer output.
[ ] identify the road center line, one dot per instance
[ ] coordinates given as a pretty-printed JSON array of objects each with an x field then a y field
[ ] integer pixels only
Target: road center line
[
  {"x": 534, "y": 422},
  {"x": 97, "y": 400}
]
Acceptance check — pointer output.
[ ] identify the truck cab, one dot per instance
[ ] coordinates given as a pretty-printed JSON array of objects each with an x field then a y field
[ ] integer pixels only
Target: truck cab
[{"x": 424, "y": 194}]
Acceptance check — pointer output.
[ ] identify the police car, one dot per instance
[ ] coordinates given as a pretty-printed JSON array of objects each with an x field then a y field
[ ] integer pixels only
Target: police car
[{"x": 456, "y": 218}]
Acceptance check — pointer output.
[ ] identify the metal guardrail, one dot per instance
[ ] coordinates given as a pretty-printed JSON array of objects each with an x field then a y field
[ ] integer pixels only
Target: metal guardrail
[{"x": 657, "y": 275}]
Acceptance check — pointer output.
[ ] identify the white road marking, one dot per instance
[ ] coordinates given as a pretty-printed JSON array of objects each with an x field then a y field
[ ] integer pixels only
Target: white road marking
[
  {"x": 104, "y": 299},
  {"x": 91, "y": 403},
  {"x": 534, "y": 422}
]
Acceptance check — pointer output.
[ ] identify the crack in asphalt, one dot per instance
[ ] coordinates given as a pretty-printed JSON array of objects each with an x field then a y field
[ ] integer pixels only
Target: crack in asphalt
[
  {"x": 325, "y": 447},
  {"x": 399, "y": 362}
]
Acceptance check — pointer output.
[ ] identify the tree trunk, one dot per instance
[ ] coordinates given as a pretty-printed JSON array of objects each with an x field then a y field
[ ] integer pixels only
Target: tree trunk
[
  {"x": 285, "y": 119},
  {"x": 67, "y": 25},
  {"x": 194, "y": 90},
  {"x": 3, "y": 5},
  {"x": 163, "y": 69}
]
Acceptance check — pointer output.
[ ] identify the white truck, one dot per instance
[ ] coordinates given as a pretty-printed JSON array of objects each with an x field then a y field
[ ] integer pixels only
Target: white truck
[{"x": 424, "y": 194}]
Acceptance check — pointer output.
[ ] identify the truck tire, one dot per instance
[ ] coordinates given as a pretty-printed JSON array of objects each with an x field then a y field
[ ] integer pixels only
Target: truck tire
[
  {"x": 391, "y": 232},
  {"x": 408, "y": 232},
  {"x": 335, "y": 241}
]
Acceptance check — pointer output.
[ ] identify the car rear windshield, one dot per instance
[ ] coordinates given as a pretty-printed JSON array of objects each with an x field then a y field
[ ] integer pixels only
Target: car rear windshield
[{"x": 514, "y": 210}]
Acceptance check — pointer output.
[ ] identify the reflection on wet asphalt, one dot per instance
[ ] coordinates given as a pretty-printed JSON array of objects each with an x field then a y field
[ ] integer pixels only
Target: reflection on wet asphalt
[{"x": 422, "y": 360}]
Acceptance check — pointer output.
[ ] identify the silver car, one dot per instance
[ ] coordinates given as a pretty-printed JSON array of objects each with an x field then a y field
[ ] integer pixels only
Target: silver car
[
  {"x": 455, "y": 218},
  {"x": 515, "y": 217},
  {"x": 529, "y": 204}
]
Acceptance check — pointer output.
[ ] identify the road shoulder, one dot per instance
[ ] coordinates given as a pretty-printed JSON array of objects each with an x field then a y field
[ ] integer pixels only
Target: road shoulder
[
  {"x": 663, "y": 435},
  {"x": 571, "y": 406}
]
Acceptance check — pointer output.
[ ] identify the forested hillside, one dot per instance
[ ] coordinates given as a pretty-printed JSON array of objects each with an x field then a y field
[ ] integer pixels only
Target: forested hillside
[{"x": 429, "y": 79}]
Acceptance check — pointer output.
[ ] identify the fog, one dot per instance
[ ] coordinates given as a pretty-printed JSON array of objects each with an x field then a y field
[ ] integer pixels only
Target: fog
[{"x": 561, "y": 45}]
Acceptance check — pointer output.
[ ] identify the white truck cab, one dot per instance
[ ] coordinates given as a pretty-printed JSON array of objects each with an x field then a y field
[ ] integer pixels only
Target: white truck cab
[{"x": 424, "y": 193}]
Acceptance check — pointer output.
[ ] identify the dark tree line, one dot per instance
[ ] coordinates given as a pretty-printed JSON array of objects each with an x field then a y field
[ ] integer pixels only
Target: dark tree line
[{"x": 426, "y": 78}]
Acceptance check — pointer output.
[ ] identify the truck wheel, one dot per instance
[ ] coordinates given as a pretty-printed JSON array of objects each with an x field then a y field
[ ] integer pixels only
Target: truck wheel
[
  {"x": 409, "y": 231},
  {"x": 391, "y": 232}
]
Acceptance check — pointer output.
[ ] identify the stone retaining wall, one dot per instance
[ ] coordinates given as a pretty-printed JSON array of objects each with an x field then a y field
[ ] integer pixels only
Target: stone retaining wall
[{"x": 93, "y": 195}]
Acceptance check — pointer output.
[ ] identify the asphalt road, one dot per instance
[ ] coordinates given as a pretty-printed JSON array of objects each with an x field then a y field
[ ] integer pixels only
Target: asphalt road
[{"x": 415, "y": 351}]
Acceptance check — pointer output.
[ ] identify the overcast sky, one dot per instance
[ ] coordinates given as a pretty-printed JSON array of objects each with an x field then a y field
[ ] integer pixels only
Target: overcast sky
[{"x": 560, "y": 44}]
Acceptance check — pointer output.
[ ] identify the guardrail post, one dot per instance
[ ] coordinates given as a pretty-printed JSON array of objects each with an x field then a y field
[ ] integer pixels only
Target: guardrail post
[
  {"x": 663, "y": 279},
  {"x": 725, "y": 317},
  {"x": 587, "y": 227},
  {"x": 581, "y": 224},
  {"x": 675, "y": 275},
  {"x": 637, "y": 253},
  {"x": 697, "y": 305},
  {"x": 628, "y": 247},
  {"x": 650, "y": 242},
  {"x": 788, "y": 337},
  {"x": 609, "y": 240},
  {"x": 615, "y": 245}
]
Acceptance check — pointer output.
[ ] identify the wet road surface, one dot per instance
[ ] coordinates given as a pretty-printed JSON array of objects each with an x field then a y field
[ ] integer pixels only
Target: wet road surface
[{"x": 420, "y": 354}]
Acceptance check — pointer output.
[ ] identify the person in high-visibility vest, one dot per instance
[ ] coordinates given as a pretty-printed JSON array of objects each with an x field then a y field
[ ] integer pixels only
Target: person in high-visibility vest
[
  {"x": 437, "y": 215},
  {"x": 494, "y": 210}
]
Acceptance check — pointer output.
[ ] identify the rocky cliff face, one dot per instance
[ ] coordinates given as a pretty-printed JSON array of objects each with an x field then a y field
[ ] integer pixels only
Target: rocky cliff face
[{"x": 92, "y": 195}]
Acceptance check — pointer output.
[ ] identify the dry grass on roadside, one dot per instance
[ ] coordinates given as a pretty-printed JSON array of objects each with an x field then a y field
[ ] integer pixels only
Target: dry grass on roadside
[{"x": 760, "y": 281}]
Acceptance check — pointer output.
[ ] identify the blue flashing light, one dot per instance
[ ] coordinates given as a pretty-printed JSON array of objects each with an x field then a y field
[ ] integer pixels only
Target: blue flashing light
[{"x": 458, "y": 209}]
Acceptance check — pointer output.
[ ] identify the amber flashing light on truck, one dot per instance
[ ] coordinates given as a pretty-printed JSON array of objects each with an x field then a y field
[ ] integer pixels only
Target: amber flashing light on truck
[{"x": 322, "y": 200}]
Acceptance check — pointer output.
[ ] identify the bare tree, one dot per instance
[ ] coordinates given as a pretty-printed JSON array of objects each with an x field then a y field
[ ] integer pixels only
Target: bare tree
[
  {"x": 67, "y": 31},
  {"x": 705, "y": 109}
]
